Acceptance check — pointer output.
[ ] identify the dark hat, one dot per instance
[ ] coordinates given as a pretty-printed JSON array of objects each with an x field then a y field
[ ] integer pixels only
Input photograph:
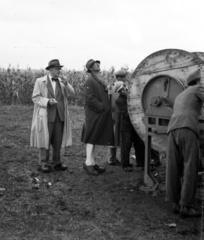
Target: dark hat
[
  {"x": 193, "y": 77},
  {"x": 121, "y": 73},
  {"x": 90, "y": 63},
  {"x": 53, "y": 63}
]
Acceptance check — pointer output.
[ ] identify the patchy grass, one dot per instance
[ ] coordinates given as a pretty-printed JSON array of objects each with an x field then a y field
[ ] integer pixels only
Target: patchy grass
[{"x": 77, "y": 206}]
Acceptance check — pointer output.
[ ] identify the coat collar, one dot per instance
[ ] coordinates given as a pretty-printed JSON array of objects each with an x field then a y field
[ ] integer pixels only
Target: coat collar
[{"x": 100, "y": 81}]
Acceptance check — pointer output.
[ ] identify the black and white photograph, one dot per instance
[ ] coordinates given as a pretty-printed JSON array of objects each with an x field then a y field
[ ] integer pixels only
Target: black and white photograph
[{"x": 102, "y": 120}]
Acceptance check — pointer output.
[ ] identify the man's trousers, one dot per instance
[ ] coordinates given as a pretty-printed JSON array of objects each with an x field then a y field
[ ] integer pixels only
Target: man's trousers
[
  {"x": 182, "y": 166},
  {"x": 130, "y": 138},
  {"x": 55, "y": 130}
]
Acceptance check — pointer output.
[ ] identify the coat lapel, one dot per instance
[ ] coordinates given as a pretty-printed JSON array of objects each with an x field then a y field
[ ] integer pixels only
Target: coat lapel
[
  {"x": 49, "y": 86},
  {"x": 100, "y": 81}
]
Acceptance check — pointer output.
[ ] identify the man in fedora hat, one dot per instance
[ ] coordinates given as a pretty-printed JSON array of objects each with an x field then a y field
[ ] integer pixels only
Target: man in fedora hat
[
  {"x": 51, "y": 120},
  {"x": 121, "y": 77},
  {"x": 129, "y": 136},
  {"x": 98, "y": 126},
  {"x": 183, "y": 148}
]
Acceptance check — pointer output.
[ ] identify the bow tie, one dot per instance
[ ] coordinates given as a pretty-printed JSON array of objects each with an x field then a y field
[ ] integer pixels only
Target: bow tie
[{"x": 55, "y": 79}]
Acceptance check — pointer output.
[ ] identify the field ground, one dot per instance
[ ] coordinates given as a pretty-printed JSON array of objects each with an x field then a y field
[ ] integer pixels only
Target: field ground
[{"x": 77, "y": 206}]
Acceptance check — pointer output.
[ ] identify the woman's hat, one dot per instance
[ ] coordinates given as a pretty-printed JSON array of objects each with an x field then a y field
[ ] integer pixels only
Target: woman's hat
[
  {"x": 53, "y": 63},
  {"x": 90, "y": 63}
]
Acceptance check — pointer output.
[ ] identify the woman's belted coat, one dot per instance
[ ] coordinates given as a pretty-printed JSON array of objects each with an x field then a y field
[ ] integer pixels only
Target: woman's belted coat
[{"x": 98, "y": 126}]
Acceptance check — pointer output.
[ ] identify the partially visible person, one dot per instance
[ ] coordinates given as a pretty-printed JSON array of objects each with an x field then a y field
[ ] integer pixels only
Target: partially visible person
[
  {"x": 51, "y": 125},
  {"x": 112, "y": 150},
  {"x": 183, "y": 148},
  {"x": 98, "y": 126},
  {"x": 128, "y": 134}
]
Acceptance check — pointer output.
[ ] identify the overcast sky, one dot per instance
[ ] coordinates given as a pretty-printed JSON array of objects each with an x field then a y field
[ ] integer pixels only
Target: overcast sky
[{"x": 119, "y": 33}]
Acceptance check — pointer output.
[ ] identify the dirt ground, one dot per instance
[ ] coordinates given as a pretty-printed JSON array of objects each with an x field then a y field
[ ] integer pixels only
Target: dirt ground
[{"x": 73, "y": 205}]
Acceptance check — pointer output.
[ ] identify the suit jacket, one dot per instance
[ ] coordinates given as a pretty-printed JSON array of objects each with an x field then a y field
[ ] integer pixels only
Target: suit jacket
[
  {"x": 187, "y": 108},
  {"x": 39, "y": 129},
  {"x": 58, "y": 96}
]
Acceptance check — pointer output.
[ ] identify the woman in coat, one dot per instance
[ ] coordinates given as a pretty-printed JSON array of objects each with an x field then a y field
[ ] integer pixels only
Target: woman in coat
[{"x": 98, "y": 126}]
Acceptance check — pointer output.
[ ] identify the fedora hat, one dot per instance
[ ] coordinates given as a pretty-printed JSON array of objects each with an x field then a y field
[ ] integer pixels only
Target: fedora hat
[
  {"x": 121, "y": 73},
  {"x": 53, "y": 63},
  {"x": 90, "y": 63}
]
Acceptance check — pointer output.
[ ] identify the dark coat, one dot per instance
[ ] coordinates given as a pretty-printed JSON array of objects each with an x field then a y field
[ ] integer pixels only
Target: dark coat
[
  {"x": 98, "y": 126},
  {"x": 187, "y": 108},
  {"x": 126, "y": 124},
  {"x": 129, "y": 135}
]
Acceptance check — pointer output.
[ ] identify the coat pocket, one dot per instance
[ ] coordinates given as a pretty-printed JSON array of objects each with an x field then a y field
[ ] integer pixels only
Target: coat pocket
[
  {"x": 41, "y": 119},
  {"x": 39, "y": 123}
]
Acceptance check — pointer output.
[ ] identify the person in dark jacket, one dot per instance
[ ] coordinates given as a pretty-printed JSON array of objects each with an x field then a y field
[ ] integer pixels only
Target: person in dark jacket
[
  {"x": 128, "y": 134},
  {"x": 98, "y": 126},
  {"x": 112, "y": 150},
  {"x": 183, "y": 148}
]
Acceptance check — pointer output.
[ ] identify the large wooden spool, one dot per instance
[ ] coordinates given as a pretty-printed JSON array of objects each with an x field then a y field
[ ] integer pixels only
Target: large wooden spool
[{"x": 173, "y": 63}]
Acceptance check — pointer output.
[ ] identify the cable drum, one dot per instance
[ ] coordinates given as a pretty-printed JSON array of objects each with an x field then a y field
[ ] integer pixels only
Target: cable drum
[{"x": 154, "y": 85}]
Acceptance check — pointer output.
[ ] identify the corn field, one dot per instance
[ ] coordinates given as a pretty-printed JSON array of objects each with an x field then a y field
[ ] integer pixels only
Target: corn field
[{"x": 16, "y": 85}]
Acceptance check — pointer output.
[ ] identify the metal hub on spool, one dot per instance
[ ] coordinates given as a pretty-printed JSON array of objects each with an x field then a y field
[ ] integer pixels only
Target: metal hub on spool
[{"x": 159, "y": 94}]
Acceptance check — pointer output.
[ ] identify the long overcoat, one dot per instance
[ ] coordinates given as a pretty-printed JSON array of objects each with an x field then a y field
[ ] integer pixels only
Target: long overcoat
[
  {"x": 39, "y": 129},
  {"x": 98, "y": 126}
]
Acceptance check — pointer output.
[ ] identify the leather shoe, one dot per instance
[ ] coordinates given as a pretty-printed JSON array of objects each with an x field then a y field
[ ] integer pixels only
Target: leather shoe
[
  {"x": 139, "y": 165},
  {"x": 90, "y": 170},
  {"x": 127, "y": 169},
  {"x": 44, "y": 168},
  {"x": 99, "y": 169},
  {"x": 117, "y": 162},
  {"x": 113, "y": 161},
  {"x": 176, "y": 208},
  {"x": 129, "y": 165},
  {"x": 60, "y": 167},
  {"x": 189, "y": 212}
]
